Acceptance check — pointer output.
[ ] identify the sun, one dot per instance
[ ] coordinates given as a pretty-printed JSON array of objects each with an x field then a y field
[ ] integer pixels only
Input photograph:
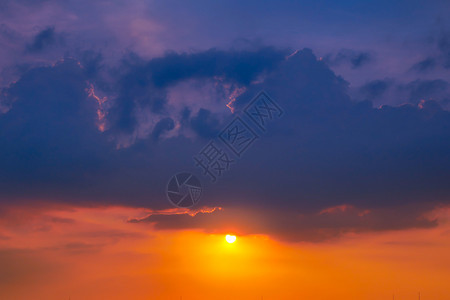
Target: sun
[{"x": 230, "y": 238}]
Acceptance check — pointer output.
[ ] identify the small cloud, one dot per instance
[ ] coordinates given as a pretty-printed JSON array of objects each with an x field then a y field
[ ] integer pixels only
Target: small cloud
[
  {"x": 444, "y": 47},
  {"x": 376, "y": 88},
  {"x": 205, "y": 124},
  {"x": 44, "y": 39},
  {"x": 425, "y": 65},
  {"x": 426, "y": 89},
  {"x": 355, "y": 59}
]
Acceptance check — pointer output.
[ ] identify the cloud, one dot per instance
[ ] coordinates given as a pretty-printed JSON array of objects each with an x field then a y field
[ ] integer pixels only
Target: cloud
[
  {"x": 444, "y": 47},
  {"x": 413, "y": 92},
  {"x": 355, "y": 59},
  {"x": 43, "y": 39},
  {"x": 375, "y": 89},
  {"x": 330, "y": 223},
  {"x": 52, "y": 124},
  {"x": 332, "y": 149},
  {"x": 425, "y": 65},
  {"x": 436, "y": 89},
  {"x": 440, "y": 53},
  {"x": 205, "y": 124},
  {"x": 329, "y": 150},
  {"x": 146, "y": 83},
  {"x": 162, "y": 126},
  {"x": 240, "y": 66}
]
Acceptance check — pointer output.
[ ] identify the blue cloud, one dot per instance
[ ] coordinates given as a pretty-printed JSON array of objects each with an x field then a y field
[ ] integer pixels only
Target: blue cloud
[
  {"x": 326, "y": 150},
  {"x": 43, "y": 39},
  {"x": 355, "y": 59}
]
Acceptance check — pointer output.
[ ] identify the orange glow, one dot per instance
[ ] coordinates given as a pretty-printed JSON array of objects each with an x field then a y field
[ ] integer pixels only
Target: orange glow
[
  {"x": 101, "y": 113},
  {"x": 236, "y": 93},
  {"x": 96, "y": 253}
]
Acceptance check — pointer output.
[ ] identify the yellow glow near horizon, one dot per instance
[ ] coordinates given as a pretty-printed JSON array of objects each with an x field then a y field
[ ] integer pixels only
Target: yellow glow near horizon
[
  {"x": 230, "y": 238},
  {"x": 144, "y": 261}
]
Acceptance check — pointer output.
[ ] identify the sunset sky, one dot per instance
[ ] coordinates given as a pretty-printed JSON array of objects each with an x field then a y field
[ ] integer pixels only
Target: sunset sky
[{"x": 343, "y": 193}]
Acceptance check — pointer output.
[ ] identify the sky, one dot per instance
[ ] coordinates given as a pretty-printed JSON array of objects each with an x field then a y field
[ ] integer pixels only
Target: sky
[{"x": 343, "y": 194}]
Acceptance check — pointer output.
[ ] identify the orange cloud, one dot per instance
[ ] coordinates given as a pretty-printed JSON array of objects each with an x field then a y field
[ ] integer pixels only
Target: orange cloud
[{"x": 56, "y": 252}]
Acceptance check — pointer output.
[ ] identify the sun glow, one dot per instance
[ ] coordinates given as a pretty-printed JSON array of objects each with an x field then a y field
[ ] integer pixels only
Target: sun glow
[{"x": 230, "y": 238}]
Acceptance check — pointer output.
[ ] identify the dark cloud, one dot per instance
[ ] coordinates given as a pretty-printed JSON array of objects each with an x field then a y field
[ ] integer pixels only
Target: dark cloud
[
  {"x": 43, "y": 39},
  {"x": 162, "y": 126},
  {"x": 49, "y": 130},
  {"x": 92, "y": 63},
  {"x": 444, "y": 46},
  {"x": 205, "y": 124},
  {"x": 376, "y": 88},
  {"x": 293, "y": 226},
  {"x": 355, "y": 59},
  {"x": 425, "y": 65},
  {"x": 145, "y": 83},
  {"x": 426, "y": 89},
  {"x": 326, "y": 150},
  {"x": 440, "y": 57},
  {"x": 52, "y": 126},
  {"x": 331, "y": 150},
  {"x": 239, "y": 66},
  {"x": 413, "y": 92}
]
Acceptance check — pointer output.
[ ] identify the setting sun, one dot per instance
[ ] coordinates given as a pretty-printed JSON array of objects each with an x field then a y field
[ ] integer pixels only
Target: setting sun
[{"x": 230, "y": 238}]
